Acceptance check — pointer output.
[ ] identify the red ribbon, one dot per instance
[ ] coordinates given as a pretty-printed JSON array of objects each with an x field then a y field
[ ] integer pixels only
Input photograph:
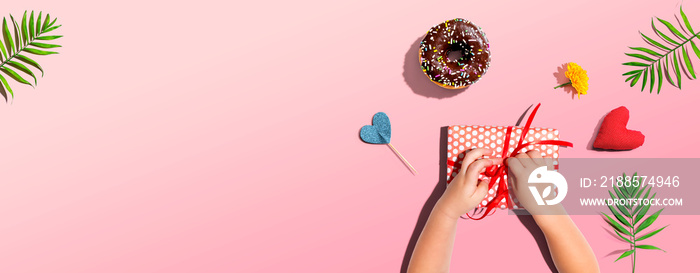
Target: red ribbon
[{"x": 497, "y": 174}]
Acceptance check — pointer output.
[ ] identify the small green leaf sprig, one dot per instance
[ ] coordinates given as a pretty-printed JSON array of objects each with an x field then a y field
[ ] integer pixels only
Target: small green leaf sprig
[
  {"x": 666, "y": 59},
  {"x": 628, "y": 220},
  {"x": 26, "y": 39}
]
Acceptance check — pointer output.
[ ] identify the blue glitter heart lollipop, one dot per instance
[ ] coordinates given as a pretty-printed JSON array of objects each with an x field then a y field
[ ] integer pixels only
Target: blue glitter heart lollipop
[{"x": 379, "y": 132}]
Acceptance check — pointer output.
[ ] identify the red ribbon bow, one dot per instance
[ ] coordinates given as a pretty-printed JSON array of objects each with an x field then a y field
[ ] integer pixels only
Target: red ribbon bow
[{"x": 498, "y": 173}]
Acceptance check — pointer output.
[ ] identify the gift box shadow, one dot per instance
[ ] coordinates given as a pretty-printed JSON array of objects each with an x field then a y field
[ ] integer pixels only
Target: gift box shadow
[
  {"x": 430, "y": 202},
  {"x": 525, "y": 219}
]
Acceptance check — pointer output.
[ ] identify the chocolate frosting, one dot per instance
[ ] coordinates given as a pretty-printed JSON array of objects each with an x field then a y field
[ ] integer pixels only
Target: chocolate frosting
[{"x": 455, "y": 35}]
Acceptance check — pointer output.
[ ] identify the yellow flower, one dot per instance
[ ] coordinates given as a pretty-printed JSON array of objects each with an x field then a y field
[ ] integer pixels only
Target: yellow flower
[{"x": 577, "y": 77}]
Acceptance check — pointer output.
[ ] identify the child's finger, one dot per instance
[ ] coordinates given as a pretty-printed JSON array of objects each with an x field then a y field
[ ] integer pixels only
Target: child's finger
[
  {"x": 481, "y": 190},
  {"x": 511, "y": 181},
  {"x": 515, "y": 166},
  {"x": 536, "y": 156},
  {"x": 550, "y": 163},
  {"x": 472, "y": 156},
  {"x": 473, "y": 171},
  {"x": 497, "y": 160},
  {"x": 526, "y": 160}
]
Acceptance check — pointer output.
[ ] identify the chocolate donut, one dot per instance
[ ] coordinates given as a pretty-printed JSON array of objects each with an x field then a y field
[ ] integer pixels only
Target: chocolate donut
[{"x": 450, "y": 36}]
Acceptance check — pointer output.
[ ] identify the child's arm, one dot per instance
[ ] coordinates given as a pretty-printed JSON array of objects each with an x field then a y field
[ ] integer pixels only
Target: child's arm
[
  {"x": 434, "y": 247},
  {"x": 570, "y": 250}
]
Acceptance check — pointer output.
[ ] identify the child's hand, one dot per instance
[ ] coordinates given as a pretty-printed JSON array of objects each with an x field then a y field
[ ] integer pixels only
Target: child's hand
[
  {"x": 519, "y": 169},
  {"x": 466, "y": 190},
  {"x": 569, "y": 249}
]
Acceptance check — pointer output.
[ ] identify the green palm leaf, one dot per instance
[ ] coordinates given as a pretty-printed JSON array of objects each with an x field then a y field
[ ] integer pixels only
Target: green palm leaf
[
  {"x": 650, "y": 220},
  {"x": 625, "y": 254},
  {"x": 4, "y": 86},
  {"x": 685, "y": 20},
  {"x": 7, "y": 37},
  {"x": 643, "y": 211},
  {"x": 627, "y": 221},
  {"x": 651, "y": 234},
  {"x": 669, "y": 49},
  {"x": 672, "y": 29},
  {"x": 22, "y": 68},
  {"x": 646, "y": 50},
  {"x": 22, "y": 38},
  {"x": 648, "y": 247},
  {"x": 686, "y": 59},
  {"x": 623, "y": 237}
]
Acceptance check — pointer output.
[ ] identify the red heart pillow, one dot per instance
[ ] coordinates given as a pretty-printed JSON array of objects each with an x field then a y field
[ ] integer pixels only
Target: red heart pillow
[{"x": 613, "y": 133}]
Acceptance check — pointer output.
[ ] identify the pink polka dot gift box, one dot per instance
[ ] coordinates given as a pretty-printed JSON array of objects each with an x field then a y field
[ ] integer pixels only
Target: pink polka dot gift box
[{"x": 461, "y": 139}]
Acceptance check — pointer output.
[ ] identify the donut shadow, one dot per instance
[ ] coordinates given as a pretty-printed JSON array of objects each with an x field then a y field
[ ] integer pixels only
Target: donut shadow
[
  {"x": 560, "y": 75},
  {"x": 415, "y": 78}
]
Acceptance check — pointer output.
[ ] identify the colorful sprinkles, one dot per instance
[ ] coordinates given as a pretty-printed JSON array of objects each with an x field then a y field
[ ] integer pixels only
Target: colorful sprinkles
[{"x": 455, "y": 35}]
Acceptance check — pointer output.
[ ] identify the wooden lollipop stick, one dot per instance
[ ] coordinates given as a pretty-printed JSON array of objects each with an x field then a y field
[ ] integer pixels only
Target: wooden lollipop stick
[{"x": 402, "y": 158}]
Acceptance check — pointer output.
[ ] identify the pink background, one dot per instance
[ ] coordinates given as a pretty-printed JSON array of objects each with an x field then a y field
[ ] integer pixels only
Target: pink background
[{"x": 210, "y": 136}]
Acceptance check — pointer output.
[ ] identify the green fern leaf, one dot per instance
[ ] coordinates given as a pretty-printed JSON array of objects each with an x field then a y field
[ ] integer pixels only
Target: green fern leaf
[
  {"x": 653, "y": 42},
  {"x": 625, "y": 225},
  {"x": 639, "y": 193},
  {"x": 695, "y": 48},
  {"x": 643, "y": 211},
  {"x": 625, "y": 254},
  {"x": 652, "y": 74},
  {"x": 5, "y": 87},
  {"x": 31, "y": 26},
  {"x": 636, "y": 78},
  {"x": 46, "y": 38},
  {"x": 622, "y": 237},
  {"x": 46, "y": 22},
  {"x": 619, "y": 217},
  {"x": 646, "y": 236},
  {"x": 672, "y": 28},
  {"x": 42, "y": 45},
  {"x": 9, "y": 44},
  {"x": 667, "y": 74},
  {"x": 649, "y": 247},
  {"x": 30, "y": 62},
  {"x": 662, "y": 35},
  {"x": 636, "y": 64},
  {"x": 633, "y": 72},
  {"x": 616, "y": 226},
  {"x": 22, "y": 68},
  {"x": 39, "y": 52},
  {"x": 51, "y": 28},
  {"x": 622, "y": 209},
  {"x": 619, "y": 193},
  {"x": 4, "y": 52},
  {"x": 38, "y": 24},
  {"x": 660, "y": 79},
  {"x": 25, "y": 34},
  {"x": 650, "y": 220},
  {"x": 665, "y": 61},
  {"x": 640, "y": 56},
  {"x": 685, "y": 20},
  {"x": 678, "y": 71},
  {"x": 14, "y": 75},
  {"x": 23, "y": 38},
  {"x": 646, "y": 50},
  {"x": 18, "y": 38}
]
